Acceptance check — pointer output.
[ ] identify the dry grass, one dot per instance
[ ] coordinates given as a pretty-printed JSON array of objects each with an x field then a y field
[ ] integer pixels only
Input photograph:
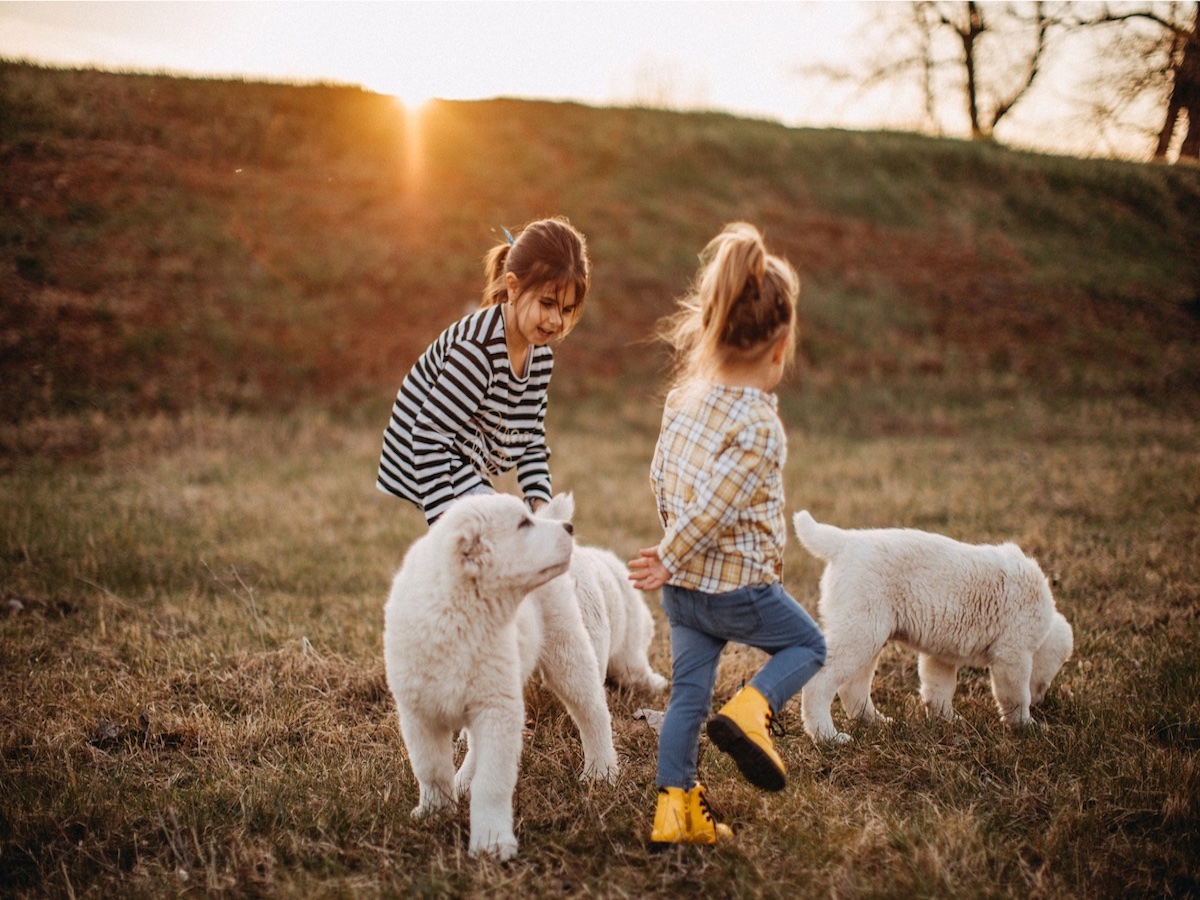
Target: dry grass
[{"x": 192, "y": 692}]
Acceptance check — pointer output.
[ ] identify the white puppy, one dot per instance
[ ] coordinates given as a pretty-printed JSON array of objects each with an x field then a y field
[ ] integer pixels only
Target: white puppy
[
  {"x": 616, "y": 617},
  {"x": 957, "y": 604},
  {"x": 452, "y": 652},
  {"x": 575, "y": 630}
]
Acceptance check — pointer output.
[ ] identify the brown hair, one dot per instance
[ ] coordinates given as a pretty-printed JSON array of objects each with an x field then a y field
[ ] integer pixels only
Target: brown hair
[
  {"x": 545, "y": 252},
  {"x": 742, "y": 303}
]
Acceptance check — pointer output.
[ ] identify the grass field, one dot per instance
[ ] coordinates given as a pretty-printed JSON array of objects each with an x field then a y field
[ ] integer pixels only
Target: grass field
[
  {"x": 193, "y": 696},
  {"x": 208, "y": 294}
]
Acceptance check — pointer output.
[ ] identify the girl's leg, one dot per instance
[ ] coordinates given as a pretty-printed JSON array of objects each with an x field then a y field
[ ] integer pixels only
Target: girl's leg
[
  {"x": 694, "y": 658},
  {"x": 794, "y": 641},
  {"x": 763, "y": 616}
]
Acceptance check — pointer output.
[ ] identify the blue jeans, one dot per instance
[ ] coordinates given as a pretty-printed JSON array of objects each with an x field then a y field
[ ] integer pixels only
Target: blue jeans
[{"x": 762, "y": 616}]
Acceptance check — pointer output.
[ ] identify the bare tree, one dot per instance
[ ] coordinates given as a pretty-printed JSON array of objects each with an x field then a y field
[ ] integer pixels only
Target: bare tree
[
  {"x": 1148, "y": 73},
  {"x": 971, "y": 62},
  {"x": 992, "y": 83},
  {"x": 1185, "y": 90}
]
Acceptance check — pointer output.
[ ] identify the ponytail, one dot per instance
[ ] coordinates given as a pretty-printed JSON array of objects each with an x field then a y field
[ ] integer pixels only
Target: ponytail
[
  {"x": 495, "y": 290},
  {"x": 742, "y": 304}
]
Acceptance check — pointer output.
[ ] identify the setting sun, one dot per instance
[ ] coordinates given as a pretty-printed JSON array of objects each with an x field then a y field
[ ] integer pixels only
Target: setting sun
[{"x": 735, "y": 57}]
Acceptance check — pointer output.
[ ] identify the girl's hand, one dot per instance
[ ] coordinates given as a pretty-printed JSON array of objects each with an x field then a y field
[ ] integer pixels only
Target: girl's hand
[{"x": 647, "y": 573}]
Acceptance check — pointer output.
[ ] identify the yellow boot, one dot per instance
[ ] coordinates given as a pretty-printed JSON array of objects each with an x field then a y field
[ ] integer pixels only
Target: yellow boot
[
  {"x": 742, "y": 728},
  {"x": 670, "y": 817},
  {"x": 684, "y": 817},
  {"x": 702, "y": 827}
]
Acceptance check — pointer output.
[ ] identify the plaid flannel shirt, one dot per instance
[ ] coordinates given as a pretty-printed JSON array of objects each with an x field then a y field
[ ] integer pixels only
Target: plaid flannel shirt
[{"x": 718, "y": 481}]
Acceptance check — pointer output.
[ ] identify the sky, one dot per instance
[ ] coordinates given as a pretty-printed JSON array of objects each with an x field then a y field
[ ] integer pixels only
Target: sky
[
  {"x": 742, "y": 57},
  {"x": 739, "y": 57}
]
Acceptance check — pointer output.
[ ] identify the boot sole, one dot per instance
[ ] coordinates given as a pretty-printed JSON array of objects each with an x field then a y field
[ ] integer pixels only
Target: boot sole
[
  {"x": 657, "y": 847},
  {"x": 754, "y": 764}
]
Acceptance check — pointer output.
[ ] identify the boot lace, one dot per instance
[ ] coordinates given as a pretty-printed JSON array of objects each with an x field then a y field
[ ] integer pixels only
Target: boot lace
[
  {"x": 774, "y": 726},
  {"x": 706, "y": 809}
]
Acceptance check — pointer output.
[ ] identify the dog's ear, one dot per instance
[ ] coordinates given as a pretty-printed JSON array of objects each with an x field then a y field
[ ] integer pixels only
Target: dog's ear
[{"x": 561, "y": 508}]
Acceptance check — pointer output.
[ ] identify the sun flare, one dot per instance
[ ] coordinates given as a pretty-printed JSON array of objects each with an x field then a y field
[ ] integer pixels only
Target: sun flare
[{"x": 413, "y": 113}]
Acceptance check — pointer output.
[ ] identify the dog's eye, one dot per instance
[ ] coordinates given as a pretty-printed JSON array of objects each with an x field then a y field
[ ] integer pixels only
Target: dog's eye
[{"x": 525, "y": 523}]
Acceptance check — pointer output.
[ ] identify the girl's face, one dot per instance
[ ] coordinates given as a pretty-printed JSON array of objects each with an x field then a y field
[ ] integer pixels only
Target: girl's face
[{"x": 541, "y": 314}]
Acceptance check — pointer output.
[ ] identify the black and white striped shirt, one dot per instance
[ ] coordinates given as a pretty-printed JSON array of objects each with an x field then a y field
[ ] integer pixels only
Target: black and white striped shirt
[{"x": 462, "y": 415}]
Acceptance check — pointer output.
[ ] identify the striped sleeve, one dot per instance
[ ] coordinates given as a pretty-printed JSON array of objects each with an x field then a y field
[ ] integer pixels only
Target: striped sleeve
[{"x": 533, "y": 469}]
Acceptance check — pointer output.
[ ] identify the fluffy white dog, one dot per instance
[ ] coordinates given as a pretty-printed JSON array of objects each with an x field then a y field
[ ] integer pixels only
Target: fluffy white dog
[
  {"x": 616, "y": 617},
  {"x": 957, "y": 604},
  {"x": 452, "y": 652},
  {"x": 474, "y": 610},
  {"x": 576, "y": 629}
]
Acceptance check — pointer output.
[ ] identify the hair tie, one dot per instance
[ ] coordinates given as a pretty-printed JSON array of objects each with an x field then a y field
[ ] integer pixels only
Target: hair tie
[{"x": 508, "y": 235}]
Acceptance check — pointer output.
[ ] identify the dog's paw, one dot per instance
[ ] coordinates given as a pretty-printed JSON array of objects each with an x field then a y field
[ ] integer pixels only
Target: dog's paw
[
  {"x": 832, "y": 740},
  {"x": 600, "y": 771},
  {"x": 657, "y": 682},
  {"x": 430, "y": 803},
  {"x": 504, "y": 848},
  {"x": 425, "y": 809},
  {"x": 943, "y": 711},
  {"x": 1024, "y": 726},
  {"x": 1018, "y": 721}
]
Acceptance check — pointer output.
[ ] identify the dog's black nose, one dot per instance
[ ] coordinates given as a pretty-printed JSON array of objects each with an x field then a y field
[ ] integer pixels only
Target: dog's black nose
[{"x": 570, "y": 528}]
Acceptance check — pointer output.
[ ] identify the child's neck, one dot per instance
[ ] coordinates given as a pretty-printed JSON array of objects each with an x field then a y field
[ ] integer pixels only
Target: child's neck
[
  {"x": 760, "y": 377},
  {"x": 518, "y": 347}
]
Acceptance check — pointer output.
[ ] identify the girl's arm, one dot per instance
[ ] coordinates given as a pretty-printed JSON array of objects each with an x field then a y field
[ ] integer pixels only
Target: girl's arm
[
  {"x": 647, "y": 573},
  {"x": 453, "y": 399},
  {"x": 533, "y": 468}
]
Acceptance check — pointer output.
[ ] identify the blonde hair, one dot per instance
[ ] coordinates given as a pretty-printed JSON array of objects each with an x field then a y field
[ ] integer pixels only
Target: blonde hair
[
  {"x": 741, "y": 305},
  {"x": 546, "y": 252}
]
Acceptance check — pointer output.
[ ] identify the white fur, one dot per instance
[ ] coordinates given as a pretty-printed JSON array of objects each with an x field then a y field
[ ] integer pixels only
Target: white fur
[
  {"x": 451, "y": 649},
  {"x": 463, "y": 635},
  {"x": 575, "y": 630},
  {"x": 957, "y": 604},
  {"x": 618, "y": 622}
]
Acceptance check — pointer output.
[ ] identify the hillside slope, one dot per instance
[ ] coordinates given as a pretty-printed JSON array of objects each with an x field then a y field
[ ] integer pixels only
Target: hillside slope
[{"x": 167, "y": 243}]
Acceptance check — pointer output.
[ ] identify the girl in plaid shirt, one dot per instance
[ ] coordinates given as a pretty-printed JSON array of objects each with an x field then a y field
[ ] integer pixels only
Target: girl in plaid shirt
[{"x": 718, "y": 481}]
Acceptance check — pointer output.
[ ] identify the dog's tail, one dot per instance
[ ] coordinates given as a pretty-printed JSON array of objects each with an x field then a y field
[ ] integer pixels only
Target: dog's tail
[{"x": 822, "y": 541}]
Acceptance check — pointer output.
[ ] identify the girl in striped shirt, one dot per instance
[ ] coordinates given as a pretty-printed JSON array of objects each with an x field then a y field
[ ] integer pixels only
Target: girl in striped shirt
[
  {"x": 718, "y": 481},
  {"x": 474, "y": 405}
]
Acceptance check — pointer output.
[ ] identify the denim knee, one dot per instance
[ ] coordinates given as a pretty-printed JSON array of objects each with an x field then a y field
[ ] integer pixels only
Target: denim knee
[{"x": 820, "y": 649}]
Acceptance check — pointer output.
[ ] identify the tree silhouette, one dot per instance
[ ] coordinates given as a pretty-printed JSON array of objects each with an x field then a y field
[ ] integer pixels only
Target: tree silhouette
[
  {"x": 989, "y": 95},
  {"x": 973, "y": 63},
  {"x": 980, "y": 59},
  {"x": 1151, "y": 56}
]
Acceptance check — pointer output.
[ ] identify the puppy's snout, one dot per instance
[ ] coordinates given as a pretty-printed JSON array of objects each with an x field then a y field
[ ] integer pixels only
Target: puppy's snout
[{"x": 570, "y": 528}]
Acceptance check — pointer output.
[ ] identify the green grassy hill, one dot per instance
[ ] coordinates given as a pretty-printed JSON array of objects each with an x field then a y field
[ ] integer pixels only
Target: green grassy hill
[{"x": 167, "y": 244}]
